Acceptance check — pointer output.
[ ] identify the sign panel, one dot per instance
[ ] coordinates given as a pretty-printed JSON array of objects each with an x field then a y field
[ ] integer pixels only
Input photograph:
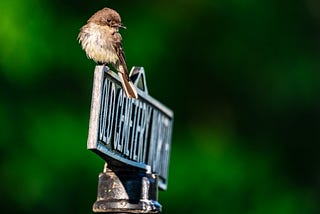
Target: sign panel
[{"x": 135, "y": 132}]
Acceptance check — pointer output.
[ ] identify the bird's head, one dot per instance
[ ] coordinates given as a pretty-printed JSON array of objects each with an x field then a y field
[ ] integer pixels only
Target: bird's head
[{"x": 107, "y": 17}]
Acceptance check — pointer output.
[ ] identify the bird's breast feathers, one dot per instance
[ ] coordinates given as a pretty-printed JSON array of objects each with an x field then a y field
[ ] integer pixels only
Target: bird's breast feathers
[{"x": 93, "y": 40}]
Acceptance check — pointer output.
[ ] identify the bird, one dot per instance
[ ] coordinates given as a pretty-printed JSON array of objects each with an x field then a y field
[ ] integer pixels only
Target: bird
[{"x": 102, "y": 42}]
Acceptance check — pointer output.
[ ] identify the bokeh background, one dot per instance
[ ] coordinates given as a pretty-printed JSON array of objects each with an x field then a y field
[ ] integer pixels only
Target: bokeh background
[{"x": 241, "y": 76}]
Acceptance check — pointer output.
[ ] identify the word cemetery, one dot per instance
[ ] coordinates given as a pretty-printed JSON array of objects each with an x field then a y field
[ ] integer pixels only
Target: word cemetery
[{"x": 135, "y": 132}]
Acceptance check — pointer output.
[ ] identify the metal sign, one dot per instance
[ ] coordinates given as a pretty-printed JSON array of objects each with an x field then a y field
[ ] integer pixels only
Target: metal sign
[{"x": 135, "y": 132}]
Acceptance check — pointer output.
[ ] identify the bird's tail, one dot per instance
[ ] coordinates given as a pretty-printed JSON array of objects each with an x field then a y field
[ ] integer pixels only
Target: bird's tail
[{"x": 127, "y": 85}]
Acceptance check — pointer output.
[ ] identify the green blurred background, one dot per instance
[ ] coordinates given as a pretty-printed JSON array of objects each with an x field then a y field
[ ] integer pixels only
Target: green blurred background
[{"x": 242, "y": 77}]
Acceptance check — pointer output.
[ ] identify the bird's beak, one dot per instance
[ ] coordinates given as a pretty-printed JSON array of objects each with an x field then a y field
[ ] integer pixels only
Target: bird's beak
[{"x": 120, "y": 26}]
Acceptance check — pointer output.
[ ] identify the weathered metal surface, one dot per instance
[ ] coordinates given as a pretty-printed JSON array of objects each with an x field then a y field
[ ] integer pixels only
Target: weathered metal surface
[
  {"x": 134, "y": 132},
  {"x": 123, "y": 190}
]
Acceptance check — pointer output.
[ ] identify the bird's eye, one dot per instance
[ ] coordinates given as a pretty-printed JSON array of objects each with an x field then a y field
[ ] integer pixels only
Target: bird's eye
[{"x": 108, "y": 20}]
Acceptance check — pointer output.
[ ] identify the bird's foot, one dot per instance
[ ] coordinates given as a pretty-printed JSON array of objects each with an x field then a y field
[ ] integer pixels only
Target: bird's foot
[
  {"x": 107, "y": 67},
  {"x": 104, "y": 64}
]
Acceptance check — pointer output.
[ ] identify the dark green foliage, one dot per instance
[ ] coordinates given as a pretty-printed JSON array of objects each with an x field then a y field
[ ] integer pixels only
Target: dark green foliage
[{"x": 241, "y": 76}]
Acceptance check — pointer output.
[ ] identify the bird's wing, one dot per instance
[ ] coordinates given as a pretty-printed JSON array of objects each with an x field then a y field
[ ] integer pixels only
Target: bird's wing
[
  {"x": 117, "y": 44},
  {"x": 121, "y": 65}
]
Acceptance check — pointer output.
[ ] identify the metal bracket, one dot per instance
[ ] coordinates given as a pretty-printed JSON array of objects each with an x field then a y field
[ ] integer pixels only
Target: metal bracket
[{"x": 121, "y": 190}]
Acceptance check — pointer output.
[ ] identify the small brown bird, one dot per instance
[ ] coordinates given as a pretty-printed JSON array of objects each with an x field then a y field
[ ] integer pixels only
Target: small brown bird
[{"x": 102, "y": 42}]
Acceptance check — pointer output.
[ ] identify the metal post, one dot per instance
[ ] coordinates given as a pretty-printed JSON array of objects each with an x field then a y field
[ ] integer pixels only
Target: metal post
[{"x": 127, "y": 190}]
